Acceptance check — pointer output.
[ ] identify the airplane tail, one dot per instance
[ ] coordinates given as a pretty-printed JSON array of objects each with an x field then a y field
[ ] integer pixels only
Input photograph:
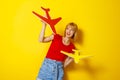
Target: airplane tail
[{"x": 45, "y": 9}]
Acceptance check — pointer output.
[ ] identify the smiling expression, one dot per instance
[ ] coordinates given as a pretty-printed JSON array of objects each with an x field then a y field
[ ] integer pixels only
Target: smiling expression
[{"x": 69, "y": 31}]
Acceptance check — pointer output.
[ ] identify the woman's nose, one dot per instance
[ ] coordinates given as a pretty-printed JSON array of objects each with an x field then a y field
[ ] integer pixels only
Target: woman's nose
[{"x": 68, "y": 31}]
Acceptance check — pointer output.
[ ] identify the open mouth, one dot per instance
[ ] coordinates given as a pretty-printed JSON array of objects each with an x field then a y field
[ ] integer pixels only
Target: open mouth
[{"x": 68, "y": 34}]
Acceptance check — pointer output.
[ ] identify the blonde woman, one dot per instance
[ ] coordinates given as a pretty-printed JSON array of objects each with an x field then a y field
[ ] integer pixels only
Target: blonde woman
[{"x": 55, "y": 61}]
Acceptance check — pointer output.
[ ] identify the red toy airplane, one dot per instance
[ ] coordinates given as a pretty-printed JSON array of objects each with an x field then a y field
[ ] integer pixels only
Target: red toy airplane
[{"x": 51, "y": 22}]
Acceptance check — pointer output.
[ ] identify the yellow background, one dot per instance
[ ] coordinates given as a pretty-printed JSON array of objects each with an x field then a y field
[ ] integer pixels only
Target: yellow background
[{"x": 21, "y": 54}]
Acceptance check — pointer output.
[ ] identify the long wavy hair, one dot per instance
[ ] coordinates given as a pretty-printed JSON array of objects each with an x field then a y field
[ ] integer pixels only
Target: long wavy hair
[{"x": 74, "y": 27}]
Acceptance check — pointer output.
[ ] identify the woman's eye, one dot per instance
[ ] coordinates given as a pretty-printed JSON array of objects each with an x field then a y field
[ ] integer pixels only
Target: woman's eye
[{"x": 72, "y": 30}]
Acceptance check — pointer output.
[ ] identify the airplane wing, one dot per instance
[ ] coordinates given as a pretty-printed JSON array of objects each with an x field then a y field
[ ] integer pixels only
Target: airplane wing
[
  {"x": 77, "y": 59},
  {"x": 41, "y": 17},
  {"x": 55, "y": 21},
  {"x": 84, "y": 56},
  {"x": 68, "y": 54}
]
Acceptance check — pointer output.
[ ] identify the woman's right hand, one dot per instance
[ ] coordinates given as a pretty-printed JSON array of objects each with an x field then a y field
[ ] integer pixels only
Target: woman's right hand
[{"x": 43, "y": 23}]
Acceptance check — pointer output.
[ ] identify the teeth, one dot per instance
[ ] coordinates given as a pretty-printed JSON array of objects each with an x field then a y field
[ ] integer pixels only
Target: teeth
[{"x": 68, "y": 33}]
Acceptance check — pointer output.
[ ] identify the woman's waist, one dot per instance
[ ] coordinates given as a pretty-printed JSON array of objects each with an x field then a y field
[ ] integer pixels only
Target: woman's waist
[{"x": 53, "y": 61}]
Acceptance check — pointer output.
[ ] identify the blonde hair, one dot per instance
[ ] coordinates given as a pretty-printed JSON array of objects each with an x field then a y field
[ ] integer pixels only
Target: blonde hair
[{"x": 75, "y": 28}]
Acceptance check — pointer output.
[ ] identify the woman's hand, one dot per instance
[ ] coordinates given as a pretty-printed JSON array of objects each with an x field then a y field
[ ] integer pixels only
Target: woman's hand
[{"x": 43, "y": 23}]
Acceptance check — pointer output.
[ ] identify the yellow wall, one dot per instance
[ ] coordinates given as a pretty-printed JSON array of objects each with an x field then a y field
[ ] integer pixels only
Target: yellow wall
[{"x": 21, "y": 54}]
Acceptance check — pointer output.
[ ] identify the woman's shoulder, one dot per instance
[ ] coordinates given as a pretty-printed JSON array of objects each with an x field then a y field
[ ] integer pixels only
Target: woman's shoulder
[{"x": 57, "y": 36}]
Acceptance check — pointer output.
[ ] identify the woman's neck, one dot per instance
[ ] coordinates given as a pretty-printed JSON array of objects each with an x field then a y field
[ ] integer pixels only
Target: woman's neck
[{"x": 66, "y": 40}]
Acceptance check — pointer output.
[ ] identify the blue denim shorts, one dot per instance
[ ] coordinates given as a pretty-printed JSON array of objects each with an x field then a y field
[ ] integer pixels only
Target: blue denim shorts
[{"x": 51, "y": 70}]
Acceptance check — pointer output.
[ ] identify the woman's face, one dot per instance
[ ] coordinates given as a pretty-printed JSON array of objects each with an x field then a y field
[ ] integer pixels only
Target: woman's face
[{"x": 69, "y": 31}]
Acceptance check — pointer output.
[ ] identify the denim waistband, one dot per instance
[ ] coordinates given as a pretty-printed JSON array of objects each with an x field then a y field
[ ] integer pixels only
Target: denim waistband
[{"x": 53, "y": 61}]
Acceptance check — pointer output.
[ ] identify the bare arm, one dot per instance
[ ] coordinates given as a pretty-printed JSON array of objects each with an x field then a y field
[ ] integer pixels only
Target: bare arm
[
  {"x": 42, "y": 33},
  {"x": 68, "y": 61}
]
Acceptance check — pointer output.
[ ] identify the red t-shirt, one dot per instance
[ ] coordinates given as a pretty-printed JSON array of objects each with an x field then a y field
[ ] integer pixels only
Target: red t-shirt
[{"x": 57, "y": 46}]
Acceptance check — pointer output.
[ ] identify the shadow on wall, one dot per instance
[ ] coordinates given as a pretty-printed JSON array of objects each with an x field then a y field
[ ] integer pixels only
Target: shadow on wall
[
  {"x": 80, "y": 37},
  {"x": 86, "y": 66}
]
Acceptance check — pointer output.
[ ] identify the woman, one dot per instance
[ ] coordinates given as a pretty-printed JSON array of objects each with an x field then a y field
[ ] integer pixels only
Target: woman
[{"x": 52, "y": 67}]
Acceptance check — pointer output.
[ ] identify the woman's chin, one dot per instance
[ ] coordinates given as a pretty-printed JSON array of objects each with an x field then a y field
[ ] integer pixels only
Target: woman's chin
[{"x": 68, "y": 36}]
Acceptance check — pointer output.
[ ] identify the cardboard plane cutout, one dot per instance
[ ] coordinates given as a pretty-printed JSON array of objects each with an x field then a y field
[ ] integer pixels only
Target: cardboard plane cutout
[
  {"x": 76, "y": 55},
  {"x": 48, "y": 20}
]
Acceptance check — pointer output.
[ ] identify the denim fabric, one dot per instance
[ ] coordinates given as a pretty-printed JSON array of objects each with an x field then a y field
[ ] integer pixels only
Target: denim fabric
[{"x": 51, "y": 70}]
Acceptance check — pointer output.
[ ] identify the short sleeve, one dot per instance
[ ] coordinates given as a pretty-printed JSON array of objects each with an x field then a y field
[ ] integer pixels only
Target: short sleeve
[{"x": 57, "y": 37}]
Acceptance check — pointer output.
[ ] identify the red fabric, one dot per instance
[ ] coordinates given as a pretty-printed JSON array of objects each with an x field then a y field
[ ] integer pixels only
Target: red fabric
[{"x": 55, "y": 48}]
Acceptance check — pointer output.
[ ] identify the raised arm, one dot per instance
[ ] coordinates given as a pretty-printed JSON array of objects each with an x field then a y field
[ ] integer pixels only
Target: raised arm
[{"x": 42, "y": 33}]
